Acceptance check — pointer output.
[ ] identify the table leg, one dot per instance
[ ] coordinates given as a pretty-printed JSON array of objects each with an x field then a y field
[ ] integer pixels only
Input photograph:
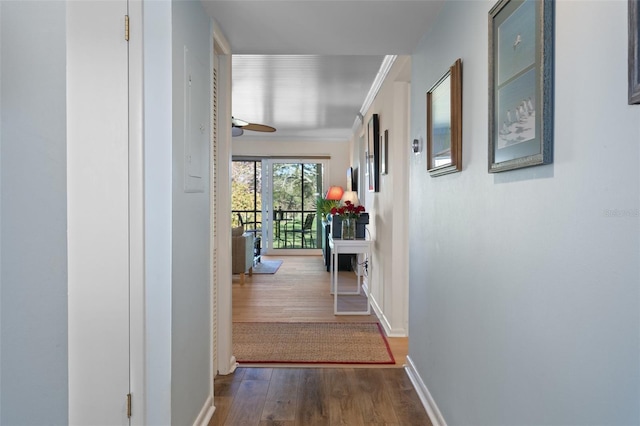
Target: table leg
[{"x": 334, "y": 272}]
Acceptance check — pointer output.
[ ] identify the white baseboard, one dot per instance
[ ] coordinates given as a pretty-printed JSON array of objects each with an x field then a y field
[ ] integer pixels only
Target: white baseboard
[
  {"x": 206, "y": 413},
  {"x": 388, "y": 330},
  {"x": 230, "y": 368},
  {"x": 233, "y": 364},
  {"x": 425, "y": 396}
]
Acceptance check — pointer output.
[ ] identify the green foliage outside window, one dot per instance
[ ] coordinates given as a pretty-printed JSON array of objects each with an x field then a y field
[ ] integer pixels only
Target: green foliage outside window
[{"x": 295, "y": 188}]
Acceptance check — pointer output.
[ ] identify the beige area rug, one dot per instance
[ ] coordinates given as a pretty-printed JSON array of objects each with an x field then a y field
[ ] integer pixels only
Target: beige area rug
[{"x": 311, "y": 343}]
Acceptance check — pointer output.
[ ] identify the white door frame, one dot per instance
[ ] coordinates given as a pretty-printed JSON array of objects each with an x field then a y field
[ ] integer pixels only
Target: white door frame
[{"x": 225, "y": 360}]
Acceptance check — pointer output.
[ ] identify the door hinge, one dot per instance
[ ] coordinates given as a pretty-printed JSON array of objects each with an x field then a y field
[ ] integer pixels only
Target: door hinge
[
  {"x": 129, "y": 405},
  {"x": 126, "y": 27}
]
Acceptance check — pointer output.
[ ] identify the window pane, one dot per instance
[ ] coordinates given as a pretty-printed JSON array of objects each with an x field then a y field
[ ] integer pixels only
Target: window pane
[
  {"x": 310, "y": 185},
  {"x": 246, "y": 193},
  {"x": 242, "y": 185},
  {"x": 287, "y": 186},
  {"x": 258, "y": 189}
]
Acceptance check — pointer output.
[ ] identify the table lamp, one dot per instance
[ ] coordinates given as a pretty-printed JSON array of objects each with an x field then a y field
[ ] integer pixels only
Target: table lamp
[
  {"x": 334, "y": 193},
  {"x": 350, "y": 196}
]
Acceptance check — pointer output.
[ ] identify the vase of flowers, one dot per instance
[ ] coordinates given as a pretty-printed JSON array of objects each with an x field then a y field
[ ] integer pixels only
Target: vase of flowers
[
  {"x": 348, "y": 229},
  {"x": 349, "y": 214}
]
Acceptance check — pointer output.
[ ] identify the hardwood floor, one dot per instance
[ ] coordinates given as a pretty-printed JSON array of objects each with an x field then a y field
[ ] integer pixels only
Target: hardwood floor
[
  {"x": 298, "y": 292},
  {"x": 317, "y": 396},
  {"x": 300, "y": 396}
]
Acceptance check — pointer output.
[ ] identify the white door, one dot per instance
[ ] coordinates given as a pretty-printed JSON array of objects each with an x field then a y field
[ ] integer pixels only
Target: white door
[{"x": 98, "y": 212}]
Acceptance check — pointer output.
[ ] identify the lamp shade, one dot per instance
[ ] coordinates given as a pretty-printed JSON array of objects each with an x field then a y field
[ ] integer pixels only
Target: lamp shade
[
  {"x": 334, "y": 193},
  {"x": 350, "y": 196}
]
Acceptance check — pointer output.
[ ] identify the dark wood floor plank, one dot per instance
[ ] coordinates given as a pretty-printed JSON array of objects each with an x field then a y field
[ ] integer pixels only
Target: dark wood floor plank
[
  {"x": 313, "y": 397},
  {"x": 257, "y": 373},
  {"x": 248, "y": 403},
  {"x": 282, "y": 397},
  {"x": 406, "y": 403},
  {"x": 228, "y": 385},
  {"x": 343, "y": 406},
  {"x": 277, "y": 423},
  {"x": 224, "y": 389},
  {"x": 373, "y": 398},
  {"x": 223, "y": 405}
]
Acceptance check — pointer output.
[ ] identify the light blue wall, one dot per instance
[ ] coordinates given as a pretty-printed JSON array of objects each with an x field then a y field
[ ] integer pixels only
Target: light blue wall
[
  {"x": 0, "y": 212},
  {"x": 158, "y": 206},
  {"x": 190, "y": 292},
  {"x": 177, "y": 222},
  {"x": 524, "y": 285},
  {"x": 33, "y": 277}
]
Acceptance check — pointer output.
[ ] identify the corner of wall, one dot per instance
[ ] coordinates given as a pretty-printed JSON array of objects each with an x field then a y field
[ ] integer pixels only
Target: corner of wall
[
  {"x": 423, "y": 393},
  {"x": 1, "y": 168}
]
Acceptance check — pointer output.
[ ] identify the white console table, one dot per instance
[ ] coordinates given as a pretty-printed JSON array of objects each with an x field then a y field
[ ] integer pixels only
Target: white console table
[{"x": 357, "y": 246}]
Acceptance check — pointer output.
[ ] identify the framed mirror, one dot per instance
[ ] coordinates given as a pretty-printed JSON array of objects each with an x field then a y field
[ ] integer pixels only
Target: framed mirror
[{"x": 444, "y": 123}]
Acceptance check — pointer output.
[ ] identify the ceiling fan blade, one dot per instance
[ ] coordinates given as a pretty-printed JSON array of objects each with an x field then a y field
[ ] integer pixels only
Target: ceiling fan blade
[
  {"x": 259, "y": 127},
  {"x": 238, "y": 126}
]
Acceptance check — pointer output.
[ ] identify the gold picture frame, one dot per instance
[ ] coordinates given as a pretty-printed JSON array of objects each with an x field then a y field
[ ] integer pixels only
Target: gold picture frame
[
  {"x": 634, "y": 52},
  {"x": 444, "y": 123}
]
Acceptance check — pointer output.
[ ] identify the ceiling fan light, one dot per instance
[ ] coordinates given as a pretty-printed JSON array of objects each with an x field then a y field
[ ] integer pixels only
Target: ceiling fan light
[
  {"x": 238, "y": 123},
  {"x": 236, "y": 131}
]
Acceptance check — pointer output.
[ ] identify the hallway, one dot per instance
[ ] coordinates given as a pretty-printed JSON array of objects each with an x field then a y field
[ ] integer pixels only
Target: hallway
[
  {"x": 297, "y": 292},
  {"x": 325, "y": 394}
]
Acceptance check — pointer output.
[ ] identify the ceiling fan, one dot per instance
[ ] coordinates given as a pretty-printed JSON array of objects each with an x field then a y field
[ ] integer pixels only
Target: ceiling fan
[{"x": 239, "y": 126}]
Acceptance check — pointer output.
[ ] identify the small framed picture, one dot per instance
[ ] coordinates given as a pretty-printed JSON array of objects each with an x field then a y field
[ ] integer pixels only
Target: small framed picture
[
  {"x": 521, "y": 55},
  {"x": 366, "y": 165},
  {"x": 444, "y": 123},
  {"x": 634, "y": 52},
  {"x": 373, "y": 153},
  {"x": 352, "y": 179},
  {"x": 384, "y": 152}
]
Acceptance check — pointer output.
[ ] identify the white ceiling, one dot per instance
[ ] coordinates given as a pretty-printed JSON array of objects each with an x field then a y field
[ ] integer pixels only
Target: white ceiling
[{"x": 306, "y": 66}]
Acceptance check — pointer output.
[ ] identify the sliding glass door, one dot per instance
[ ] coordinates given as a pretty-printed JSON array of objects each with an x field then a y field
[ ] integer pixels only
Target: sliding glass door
[
  {"x": 293, "y": 186},
  {"x": 276, "y": 199}
]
